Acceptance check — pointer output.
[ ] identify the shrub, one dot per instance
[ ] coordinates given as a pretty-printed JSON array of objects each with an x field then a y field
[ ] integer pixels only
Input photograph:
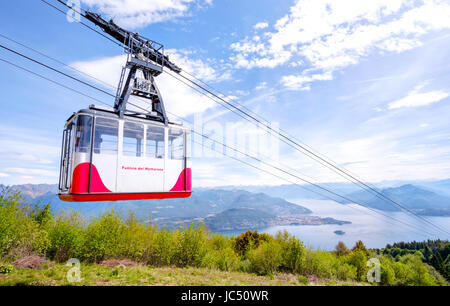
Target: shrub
[
  {"x": 292, "y": 252},
  {"x": 341, "y": 249},
  {"x": 224, "y": 259},
  {"x": 11, "y": 216},
  {"x": 358, "y": 259},
  {"x": 41, "y": 215},
  {"x": 266, "y": 259},
  {"x": 248, "y": 240},
  {"x": 345, "y": 271},
  {"x": 105, "y": 238},
  {"x": 320, "y": 263},
  {"x": 220, "y": 254},
  {"x": 417, "y": 272},
  {"x": 192, "y": 245},
  {"x": 6, "y": 269},
  {"x": 359, "y": 246},
  {"x": 19, "y": 234},
  {"x": 303, "y": 280},
  {"x": 67, "y": 236},
  {"x": 138, "y": 238},
  {"x": 164, "y": 248},
  {"x": 387, "y": 271}
]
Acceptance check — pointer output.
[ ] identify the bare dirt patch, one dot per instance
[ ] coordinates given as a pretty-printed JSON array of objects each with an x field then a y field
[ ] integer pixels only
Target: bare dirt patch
[
  {"x": 314, "y": 280},
  {"x": 287, "y": 277},
  {"x": 118, "y": 263},
  {"x": 30, "y": 262}
]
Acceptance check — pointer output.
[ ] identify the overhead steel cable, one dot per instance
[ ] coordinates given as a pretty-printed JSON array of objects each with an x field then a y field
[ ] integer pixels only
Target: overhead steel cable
[
  {"x": 224, "y": 95},
  {"x": 112, "y": 87},
  {"x": 315, "y": 156},
  {"x": 240, "y": 152},
  {"x": 82, "y": 23},
  {"x": 55, "y": 60},
  {"x": 115, "y": 42},
  {"x": 309, "y": 152},
  {"x": 52, "y": 81},
  {"x": 51, "y": 68},
  {"x": 418, "y": 230}
]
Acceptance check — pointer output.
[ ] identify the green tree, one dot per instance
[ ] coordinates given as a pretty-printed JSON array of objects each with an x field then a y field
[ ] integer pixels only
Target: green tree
[
  {"x": 341, "y": 249},
  {"x": 358, "y": 259},
  {"x": 42, "y": 215},
  {"x": 359, "y": 245},
  {"x": 292, "y": 252},
  {"x": 266, "y": 258},
  {"x": 248, "y": 240}
]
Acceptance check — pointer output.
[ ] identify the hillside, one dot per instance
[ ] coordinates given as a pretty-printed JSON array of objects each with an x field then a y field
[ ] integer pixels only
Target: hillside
[
  {"x": 140, "y": 275},
  {"x": 35, "y": 246}
]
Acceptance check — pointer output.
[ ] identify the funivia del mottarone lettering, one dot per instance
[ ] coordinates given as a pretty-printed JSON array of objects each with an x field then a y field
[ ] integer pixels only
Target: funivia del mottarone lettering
[{"x": 197, "y": 296}]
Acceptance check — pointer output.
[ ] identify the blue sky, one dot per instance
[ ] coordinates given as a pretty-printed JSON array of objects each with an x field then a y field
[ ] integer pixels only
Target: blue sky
[{"x": 366, "y": 83}]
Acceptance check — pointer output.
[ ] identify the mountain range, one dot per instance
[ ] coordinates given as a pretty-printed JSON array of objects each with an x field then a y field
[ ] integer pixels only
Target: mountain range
[
  {"x": 221, "y": 210},
  {"x": 431, "y": 198},
  {"x": 420, "y": 200},
  {"x": 240, "y": 207}
]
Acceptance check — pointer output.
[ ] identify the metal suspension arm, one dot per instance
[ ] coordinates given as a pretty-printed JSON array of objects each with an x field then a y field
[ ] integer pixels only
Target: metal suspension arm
[{"x": 135, "y": 43}]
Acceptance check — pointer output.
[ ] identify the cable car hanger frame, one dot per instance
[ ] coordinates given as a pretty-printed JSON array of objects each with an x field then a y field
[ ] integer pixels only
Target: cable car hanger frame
[{"x": 89, "y": 172}]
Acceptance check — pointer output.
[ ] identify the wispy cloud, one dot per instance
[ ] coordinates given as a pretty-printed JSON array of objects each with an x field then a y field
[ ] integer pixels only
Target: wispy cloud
[
  {"x": 28, "y": 155},
  {"x": 260, "y": 25},
  {"x": 417, "y": 99},
  {"x": 34, "y": 171},
  {"x": 136, "y": 14},
  {"x": 330, "y": 35},
  {"x": 177, "y": 96}
]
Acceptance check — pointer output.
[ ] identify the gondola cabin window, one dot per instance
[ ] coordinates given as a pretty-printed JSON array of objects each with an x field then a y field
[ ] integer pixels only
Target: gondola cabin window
[
  {"x": 133, "y": 139},
  {"x": 83, "y": 134},
  {"x": 155, "y": 142},
  {"x": 176, "y": 144},
  {"x": 106, "y": 136}
]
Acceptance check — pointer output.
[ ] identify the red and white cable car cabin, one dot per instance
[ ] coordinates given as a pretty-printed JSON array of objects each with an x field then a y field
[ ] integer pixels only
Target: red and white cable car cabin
[
  {"x": 130, "y": 152},
  {"x": 106, "y": 158}
]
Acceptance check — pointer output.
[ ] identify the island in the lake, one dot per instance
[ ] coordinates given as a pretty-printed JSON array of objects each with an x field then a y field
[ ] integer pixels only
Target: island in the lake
[{"x": 339, "y": 232}]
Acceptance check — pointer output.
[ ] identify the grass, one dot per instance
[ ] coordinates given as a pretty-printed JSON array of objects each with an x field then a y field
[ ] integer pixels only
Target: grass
[{"x": 96, "y": 275}]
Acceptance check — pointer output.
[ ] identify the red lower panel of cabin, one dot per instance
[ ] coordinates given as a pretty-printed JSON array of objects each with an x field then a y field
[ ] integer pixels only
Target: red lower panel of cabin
[{"x": 92, "y": 197}]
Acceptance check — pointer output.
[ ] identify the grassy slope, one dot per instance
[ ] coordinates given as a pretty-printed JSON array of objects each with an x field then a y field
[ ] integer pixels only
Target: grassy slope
[{"x": 96, "y": 275}]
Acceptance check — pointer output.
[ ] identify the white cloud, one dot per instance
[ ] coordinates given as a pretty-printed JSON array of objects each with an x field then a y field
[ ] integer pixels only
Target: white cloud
[
  {"x": 301, "y": 82},
  {"x": 260, "y": 25},
  {"x": 261, "y": 86},
  {"x": 3, "y": 175},
  {"x": 34, "y": 171},
  {"x": 330, "y": 35},
  {"x": 199, "y": 68},
  {"x": 138, "y": 13},
  {"x": 25, "y": 157},
  {"x": 417, "y": 99},
  {"x": 30, "y": 152},
  {"x": 178, "y": 98},
  {"x": 388, "y": 156}
]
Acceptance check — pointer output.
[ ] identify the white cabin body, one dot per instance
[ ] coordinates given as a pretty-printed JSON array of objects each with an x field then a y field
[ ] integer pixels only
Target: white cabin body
[{"x": 108, "y": 158}]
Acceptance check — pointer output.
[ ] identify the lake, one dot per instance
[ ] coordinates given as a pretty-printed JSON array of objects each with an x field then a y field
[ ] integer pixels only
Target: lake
[{"x": 373, "y": 229}]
